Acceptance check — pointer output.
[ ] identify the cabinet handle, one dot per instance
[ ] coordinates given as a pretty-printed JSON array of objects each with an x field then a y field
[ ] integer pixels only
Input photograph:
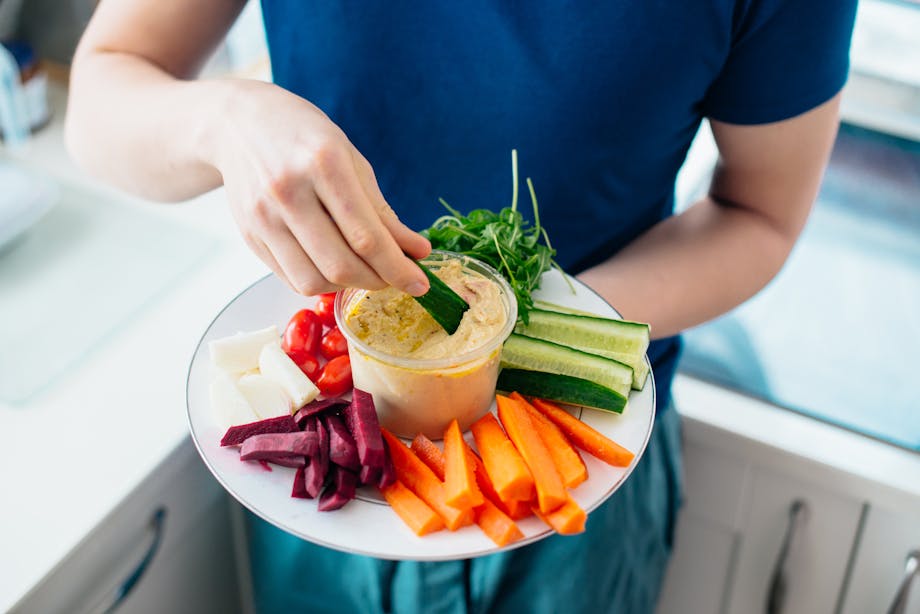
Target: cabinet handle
[
  {"x": 776, "y": 594},
  {"x": 911, "y": 571},
  {"x": 117, "y": 596}
]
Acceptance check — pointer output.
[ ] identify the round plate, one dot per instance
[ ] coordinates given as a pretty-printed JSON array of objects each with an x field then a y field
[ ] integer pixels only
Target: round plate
[{"x": 367, "y": 525}]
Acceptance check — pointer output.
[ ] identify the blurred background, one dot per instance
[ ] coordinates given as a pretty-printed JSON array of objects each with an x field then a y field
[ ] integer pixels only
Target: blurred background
[{"x": 801, "y": 407}]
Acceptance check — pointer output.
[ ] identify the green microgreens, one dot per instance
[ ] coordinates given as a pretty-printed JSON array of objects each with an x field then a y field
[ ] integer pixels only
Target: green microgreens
[{"x": 504, "y": 240}]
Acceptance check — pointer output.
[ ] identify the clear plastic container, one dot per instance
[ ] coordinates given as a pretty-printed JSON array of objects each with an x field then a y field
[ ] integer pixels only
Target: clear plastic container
[{"x": 415, "y": 395}]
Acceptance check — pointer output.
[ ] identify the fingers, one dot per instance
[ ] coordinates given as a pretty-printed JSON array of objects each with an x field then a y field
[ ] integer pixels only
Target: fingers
[
  {"x": 411, "y": 243},
  {"x": 361, "y": 226}
]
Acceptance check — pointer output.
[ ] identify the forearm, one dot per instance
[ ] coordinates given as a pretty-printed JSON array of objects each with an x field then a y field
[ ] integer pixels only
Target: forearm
[
  {"x": 134, "y": 125},
  {"x": 692, "y": 267}
]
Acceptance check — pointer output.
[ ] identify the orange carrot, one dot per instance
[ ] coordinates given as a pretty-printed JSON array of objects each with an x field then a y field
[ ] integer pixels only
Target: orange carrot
[
  {"x": 571, "y": 468},
  {"x": 585, "y": 437},
  {"x": 550, "y": 490},
  {"x": 568, "y": 519},
  {"x": 430, "y": 454},
  {"x": 514, "y": 508},
  {"x": 496, "y": 524},
  {"x": 413, "y": 511},
  {"x": 416, "y": 475},
  {"x": 460, "y": 487},
  {"x": 508, "y": 471}
]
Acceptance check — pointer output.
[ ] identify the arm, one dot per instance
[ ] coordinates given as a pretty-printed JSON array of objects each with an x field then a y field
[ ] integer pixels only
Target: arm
[
  {"x": 692, "y": 267},
  {"x": 305, "y": 199}
]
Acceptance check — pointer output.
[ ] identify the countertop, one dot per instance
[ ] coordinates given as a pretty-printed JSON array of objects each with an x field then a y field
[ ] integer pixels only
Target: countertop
[{"x": 74, "y": 452}]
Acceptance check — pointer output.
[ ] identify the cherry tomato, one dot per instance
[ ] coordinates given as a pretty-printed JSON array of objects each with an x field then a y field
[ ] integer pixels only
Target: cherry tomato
[
  {"x": 307, "y": 362},
  {"x": 333, "y": 343},
  {"x": 335, "y": 377},
  {"x": 304, "y": 332},
  {"x": 325, "y": 308}
]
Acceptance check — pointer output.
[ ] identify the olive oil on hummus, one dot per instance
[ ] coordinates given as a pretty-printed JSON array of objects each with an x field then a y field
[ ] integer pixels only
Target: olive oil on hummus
[{"x": 391, "y": 321}]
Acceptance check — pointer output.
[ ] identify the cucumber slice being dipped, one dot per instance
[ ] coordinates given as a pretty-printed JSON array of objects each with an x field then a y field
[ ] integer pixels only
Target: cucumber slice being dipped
[{"x": 445, "y": 306}]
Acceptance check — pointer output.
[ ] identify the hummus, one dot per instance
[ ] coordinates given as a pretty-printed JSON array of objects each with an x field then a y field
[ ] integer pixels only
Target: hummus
[
  {"x": 393, "y": 322},
  {"x": 420, "y": 377}
]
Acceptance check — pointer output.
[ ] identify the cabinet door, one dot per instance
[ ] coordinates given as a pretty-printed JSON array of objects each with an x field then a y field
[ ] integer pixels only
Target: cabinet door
[
  {"x": 192, "y": 570},
  {"x": 887, "y": 538},
  {"x": 707, "y": 531},
  {"x": 819, "y": 550}
]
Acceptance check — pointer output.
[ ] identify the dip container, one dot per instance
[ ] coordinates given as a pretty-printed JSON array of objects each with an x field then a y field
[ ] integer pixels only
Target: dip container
[{"x": 422, "y": 395}]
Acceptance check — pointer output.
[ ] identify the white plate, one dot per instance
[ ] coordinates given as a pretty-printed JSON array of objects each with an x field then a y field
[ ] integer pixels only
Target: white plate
[{"x": 367, "y": 525}]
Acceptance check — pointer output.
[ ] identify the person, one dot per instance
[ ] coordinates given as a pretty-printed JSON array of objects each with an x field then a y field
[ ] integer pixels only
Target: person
[{"x": 379, "y": 108}]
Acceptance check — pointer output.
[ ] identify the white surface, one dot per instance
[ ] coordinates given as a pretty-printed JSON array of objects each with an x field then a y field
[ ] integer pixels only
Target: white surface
[
  {"x": 72, "y": 454},
  {"x": 840, "y": 459},
  {"x": 366, "y": 525},
  {"x": 25, "y": 198}
]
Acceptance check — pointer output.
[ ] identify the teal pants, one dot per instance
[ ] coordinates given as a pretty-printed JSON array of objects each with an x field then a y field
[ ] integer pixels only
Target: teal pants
[{"x": 616, "y": 565}]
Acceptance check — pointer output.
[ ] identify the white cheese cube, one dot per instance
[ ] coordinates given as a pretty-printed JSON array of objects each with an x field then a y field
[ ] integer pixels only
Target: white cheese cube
[
  {"x": 229, "y": 405},
  {"x": 265, "y": 396},
  {"x": 276, "y": 365},
  {"x": 240, "y": 352}
]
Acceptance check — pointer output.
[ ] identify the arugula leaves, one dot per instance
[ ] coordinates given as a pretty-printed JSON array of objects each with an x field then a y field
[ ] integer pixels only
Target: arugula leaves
[{"x": 504, "y": 240}]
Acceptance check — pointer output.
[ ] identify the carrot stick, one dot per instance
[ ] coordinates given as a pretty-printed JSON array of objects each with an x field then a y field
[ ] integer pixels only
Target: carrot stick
[
  {"x": 571, "y": 468},
  {"x": 550, "y": 490},
  {"x": 494, "y": 521},
  {"x": 413, "y": 511},
  {"x": 514, "y": 508},
  {"x": 506, "y": 468},
  {"x": 430, "y": 454},
  {"x": 585, "y": 437},
  {"x": 496, "y": 524},
  {"x": 568, "y": 519},
  {"x": 460, "y": 487},
  {"x": 416, "y": 475}
]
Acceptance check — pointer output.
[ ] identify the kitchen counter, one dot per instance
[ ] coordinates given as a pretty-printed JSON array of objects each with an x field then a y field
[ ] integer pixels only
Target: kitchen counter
[{"x": 73, "y": 452}]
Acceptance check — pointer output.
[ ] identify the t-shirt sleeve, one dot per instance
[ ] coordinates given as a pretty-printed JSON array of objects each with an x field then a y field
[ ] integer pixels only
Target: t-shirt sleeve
[{"x": 786, "y": 57}]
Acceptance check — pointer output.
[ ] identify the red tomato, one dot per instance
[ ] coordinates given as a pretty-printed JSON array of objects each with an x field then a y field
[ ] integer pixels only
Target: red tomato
[
  {"x": 304, "y": 332},
  {"x": 325, "y": 308},
  {"x": 307, "y": 362},
  {"x": 333, "y": 344},
  {"x": 335, "y": 378}
]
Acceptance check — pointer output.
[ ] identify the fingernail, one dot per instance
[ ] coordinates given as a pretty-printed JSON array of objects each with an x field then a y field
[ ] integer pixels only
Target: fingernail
[{"x": 417, "y": 288}]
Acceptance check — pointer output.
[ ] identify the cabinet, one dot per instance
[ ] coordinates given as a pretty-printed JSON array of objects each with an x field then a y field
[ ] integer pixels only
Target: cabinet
[
  {"x": 821, "y": 535},
  {"x": 736, "y": 516},
  {"x": 888, "y": 537},
  {"x": 181, "y": 515}
]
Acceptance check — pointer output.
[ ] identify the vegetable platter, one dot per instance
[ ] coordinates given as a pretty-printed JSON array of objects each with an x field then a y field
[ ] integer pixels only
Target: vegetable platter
[{"x": 367, "y": 525}]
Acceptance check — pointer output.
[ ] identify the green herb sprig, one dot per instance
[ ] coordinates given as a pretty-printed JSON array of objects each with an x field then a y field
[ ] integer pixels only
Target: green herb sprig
[{"x": 504, "y": 240}]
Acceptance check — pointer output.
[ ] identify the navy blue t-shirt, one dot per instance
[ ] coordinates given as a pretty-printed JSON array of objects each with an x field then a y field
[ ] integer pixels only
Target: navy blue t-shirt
[{"x": 601, "y": 99}]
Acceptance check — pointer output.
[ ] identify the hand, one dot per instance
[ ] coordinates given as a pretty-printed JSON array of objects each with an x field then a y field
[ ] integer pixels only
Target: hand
[{"x": 306, "y": 201}]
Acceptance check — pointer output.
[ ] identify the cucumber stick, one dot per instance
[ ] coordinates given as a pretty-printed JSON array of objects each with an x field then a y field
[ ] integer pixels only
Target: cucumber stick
[
  {"x": 620, "y": 340},
  {"x": 445, "y": 306},
  {"x": 561, "y": 388},
  {"x": 523, "y": 352}
]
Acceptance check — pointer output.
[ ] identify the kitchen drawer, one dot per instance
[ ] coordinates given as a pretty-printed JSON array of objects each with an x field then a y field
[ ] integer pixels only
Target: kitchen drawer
[
  {"x": 887, "y": 539},
  {"x": 819, "y": 547},
  {"x": 193, "y": 568}
]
